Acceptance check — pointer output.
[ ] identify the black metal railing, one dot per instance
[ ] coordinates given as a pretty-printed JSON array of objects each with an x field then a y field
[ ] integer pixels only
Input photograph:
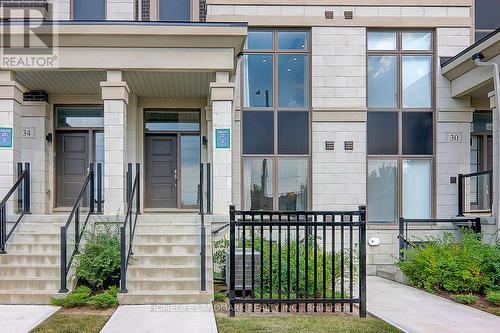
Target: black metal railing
[
  {"x": 22, "y": 186},
  {"x": 419, "y": 233},
  {"x": 203, "y": 272},
  {"x": 475, "y": 193},
  {"x": 72, "y": 231},
  {"x": 297, "y": 260},
  {"x": 127, "y": 230}
]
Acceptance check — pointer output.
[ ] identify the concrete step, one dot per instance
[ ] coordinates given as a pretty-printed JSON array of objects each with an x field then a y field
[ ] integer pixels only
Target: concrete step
[
  {"x": 173, "y": 297},
  {"x": 168, "y": 228},
  {"x": 178, "y": 259},
  {"x": 15, "y": 270},
  {"x": 393, "y": 274},
  {"x": 164, "y": 284},
  {"x": 29, "y": 259},
  {"x": 169, "y": 218},
  {"x": 31, "y": 238},
  {"x": 29, "y": 283},
  {"x": 171, "y": 238},
  {"x": 39, "y": 227},
  {"x": 168, "y": 249},
  {"x": 24, "y": 248},
  {"x": 166, "y": 271},
  {"x": 27, "y": 296}
]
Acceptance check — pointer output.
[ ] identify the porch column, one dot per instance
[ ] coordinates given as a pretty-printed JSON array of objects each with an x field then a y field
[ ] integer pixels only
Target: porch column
[
  {"x": 221, "y": 99},
  {"x": 115, "y": 95},
  {"x": 11, "y": 97},
  {"x": 496, "y": 160}
]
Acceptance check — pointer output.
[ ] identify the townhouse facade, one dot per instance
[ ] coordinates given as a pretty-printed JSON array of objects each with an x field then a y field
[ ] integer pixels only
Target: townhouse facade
[{"x": 294, "y": 104}]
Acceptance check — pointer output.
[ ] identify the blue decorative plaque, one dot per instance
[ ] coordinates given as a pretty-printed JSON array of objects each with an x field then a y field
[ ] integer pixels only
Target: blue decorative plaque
[
  {"x": 222, "y": 138},
  {"x": 5, "y": 137}
]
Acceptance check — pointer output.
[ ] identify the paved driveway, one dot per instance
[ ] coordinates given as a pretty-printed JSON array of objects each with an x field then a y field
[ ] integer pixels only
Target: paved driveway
[{"x": 23, "y": 318}]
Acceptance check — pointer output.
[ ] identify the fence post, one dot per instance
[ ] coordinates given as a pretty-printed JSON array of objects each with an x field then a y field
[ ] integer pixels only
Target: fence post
[
  {"x": 232, "y": 245},
  {"x": 3, "y": 228},
  {"x": 401, "y": 236},
  {"x": 123, "y": 261},
  {"x": 460, "y": 194},
  {"x": 362, "y": 263},
  {"x": 477, "y": 225},
  {"x": 20, "y": 193},
  {"x": 27, "y": 189},
  {"x": 209, "y": 188},
  {"x": 202, "y": 234},
  {"x": 490, "y": 184},
  {"x": 92, "y": 189},
  {"x": 129, "y": 181},
  {"x": 99, "y": 188},
  {"x": 138, "y": 189},
  {"x": 64, "y": 288},
  {"x": 77, "y": 227}
]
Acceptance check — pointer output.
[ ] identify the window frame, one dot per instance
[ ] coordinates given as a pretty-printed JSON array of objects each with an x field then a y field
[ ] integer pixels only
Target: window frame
[
  {"x": 72, "y": 10},
  {"x": 399, "y": 157},
  {"x": 193, "y": 10},
  {"x": 273, "y": 158}
]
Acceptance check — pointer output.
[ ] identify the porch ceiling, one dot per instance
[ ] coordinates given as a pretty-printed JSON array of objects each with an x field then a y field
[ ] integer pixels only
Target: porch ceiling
[{"x": 142, "y": 84}]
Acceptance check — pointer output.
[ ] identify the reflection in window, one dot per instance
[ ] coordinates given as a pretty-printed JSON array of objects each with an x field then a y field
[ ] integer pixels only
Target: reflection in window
[
  {"x": 292, "y": 40},
  {"x": 190, "y": 169},
  {"x": 382, "y": 128},
  {"x": 417, "y": 184},
  {"x": 292, "y": 72},
  {"x": 417, "y": 133},
  {"x": 382, "y": 82},
  {"x": 89, "y": 9},
  {"x": 293, "y": 133},
  {"x": 174, "y": 10},
  {"x": 258, "y": 184},
  {"x": 258, "y": 132},
  {"x": 159, "y": 120},
  {"x": 292, "y": 184},
  {"x": 382, "y": 190},
  {"x": 381, "y": 40},
  {"x": 80, "y": 116},
  {"x": 417, "y": 81},
  {"x": 258, "y": 86},
  {"x": 417, "y": 40},
  {"x": 259, "y": 40}
]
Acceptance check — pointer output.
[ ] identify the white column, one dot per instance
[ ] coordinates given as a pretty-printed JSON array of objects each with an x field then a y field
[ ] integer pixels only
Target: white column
[
  {"x": 221, "y": 97},
  {"x": 115, "y": 95},
  {"x": 11, "y": 97},
  {"x": 496, "y": 160}
]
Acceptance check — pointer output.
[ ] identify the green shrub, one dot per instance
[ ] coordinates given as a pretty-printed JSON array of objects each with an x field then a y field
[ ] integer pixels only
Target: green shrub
[
  {"x": 493, "y": 296},
  {"x": 444, "y": 263},
  {"x": 219, "y": 254},
  {"x": 466, "y": 298},
  {"x": 98, "y": 266},
  {"x": 106, "y": 299},
  {"x": 78, "y": 297},
  {"x": 220, "y": 297}
]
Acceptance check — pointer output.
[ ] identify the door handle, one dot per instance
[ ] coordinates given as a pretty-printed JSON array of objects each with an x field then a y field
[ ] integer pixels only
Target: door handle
[{"x": 175, "y": 178}]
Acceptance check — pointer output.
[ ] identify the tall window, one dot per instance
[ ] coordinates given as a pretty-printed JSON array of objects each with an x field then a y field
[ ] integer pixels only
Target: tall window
[
  {"x": 89, "y": 9},
  {"x": 400, "y": 129},
  {"x": 174, "y": 10},
  {"x": 276, "y": 120}
]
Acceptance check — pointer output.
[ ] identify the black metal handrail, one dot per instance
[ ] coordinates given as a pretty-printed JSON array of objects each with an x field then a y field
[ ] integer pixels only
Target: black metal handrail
[
  {"x": 473, "y": 223},
  {"x": 22, "y": 185},
  {"x": 462, "y": 195},
  {"x": 87, "y": 191},
  {"x": 203, "y": 278},
  {"x": 133, "y": 192},
  {"x": 331, "y": 232}
]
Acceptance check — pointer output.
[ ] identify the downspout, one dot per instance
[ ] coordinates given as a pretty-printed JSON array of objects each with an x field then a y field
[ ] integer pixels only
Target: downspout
[{"x": 496, "y": 83}]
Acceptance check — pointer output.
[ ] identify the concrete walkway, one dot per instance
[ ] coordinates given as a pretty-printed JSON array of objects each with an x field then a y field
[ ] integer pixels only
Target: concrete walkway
[
  {"x": 23, "y": 318},
  {"x": 416, "y": 311},
  {"x": 182, "y": 318}
]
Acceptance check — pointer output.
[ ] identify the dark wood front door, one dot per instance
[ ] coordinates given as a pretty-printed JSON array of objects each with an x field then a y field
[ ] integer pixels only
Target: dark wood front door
[
  {"x": 161, "y": 171},
  {"x": 72, "y": 164}
]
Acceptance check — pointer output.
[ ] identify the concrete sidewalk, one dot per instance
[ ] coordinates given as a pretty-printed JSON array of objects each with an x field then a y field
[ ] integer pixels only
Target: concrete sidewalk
[
  {"x": 416, "y": 311},
  {"x": 23, "y": 318},
  {"x": 181, "y": 318}
]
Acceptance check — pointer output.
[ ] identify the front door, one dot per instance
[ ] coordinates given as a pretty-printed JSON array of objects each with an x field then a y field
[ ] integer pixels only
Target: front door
[
  {"x": 72, "y": 164},
  {"x": 161, "y": 171}
]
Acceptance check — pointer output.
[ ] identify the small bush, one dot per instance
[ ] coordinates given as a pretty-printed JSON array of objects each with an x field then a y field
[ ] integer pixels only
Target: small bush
[
  {"x": 466, "y": 298},
  {"x": 220, "y": 297},
  {"x": 78, "y": 297},
  {"x": 106, "y": 299},
  {"x": 493, "y": 297},
  {"x": 98, "y": 267},
  {"x": 219, "y": 255}
]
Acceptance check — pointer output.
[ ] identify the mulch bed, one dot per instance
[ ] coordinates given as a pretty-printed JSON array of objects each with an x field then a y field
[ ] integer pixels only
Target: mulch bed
[{"x": 481, "y": 304}]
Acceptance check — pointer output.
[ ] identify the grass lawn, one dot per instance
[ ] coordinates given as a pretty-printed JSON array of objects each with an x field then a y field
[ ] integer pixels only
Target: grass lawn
[
  {"x": 77, "y": 320},
  {"x": 300, "y": 323}
]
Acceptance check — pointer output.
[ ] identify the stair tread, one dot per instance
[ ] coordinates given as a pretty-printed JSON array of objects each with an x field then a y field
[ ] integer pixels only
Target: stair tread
[
  {"x": 30, "y": 278},
  {"x": 30, "y": 292},
  {"x": 30, "y": 265}
]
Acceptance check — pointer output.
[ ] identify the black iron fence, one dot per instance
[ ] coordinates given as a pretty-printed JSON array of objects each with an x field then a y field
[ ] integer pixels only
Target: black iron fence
[
  {"x": 297, "y": 261},
  {"x": 417, "y": 231},
  {"x": 475, "y": 193},
  {"x": 72, "y": 231},
  {"x": 22, "y": 188}
]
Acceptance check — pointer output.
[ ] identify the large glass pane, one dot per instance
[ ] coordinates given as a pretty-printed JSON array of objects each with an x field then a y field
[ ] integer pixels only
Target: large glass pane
[
  {"x": 259, "y": 40},
  {"x": 417, "y": 185},
  {"x": 190, "y": 169},
  {"x": 417, "y": 81},
  {"x": 174, "y": 10},
  {"x": 98, "y": 150},
  {"x": 382, "y": 190},
  {"x": 382, "y": 82},
  {"x": 258, "y": 184},
  {"x": 84, "y": 116},
  {"x": 417, "y": 40},
  {"x": 258, "y": 86},
  {"x": 293, "y": 133},
  {"x": 381, "y": 40},
  {"x": 382, "y": 133},
  {"x": 89, "y": 9},
  {"x": 158, "y": 120},
  {"x": 292, "y": 79},
  {"x": 293, "y": 184},
  {"x": 292, "y": 40},
  {"x": 417, "y": 133},
  {"x": 258, "y": 132}
]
